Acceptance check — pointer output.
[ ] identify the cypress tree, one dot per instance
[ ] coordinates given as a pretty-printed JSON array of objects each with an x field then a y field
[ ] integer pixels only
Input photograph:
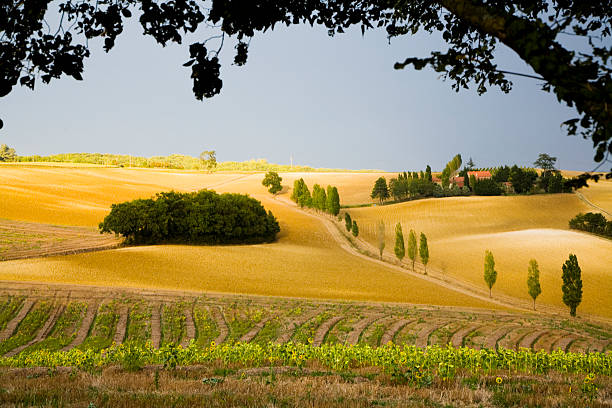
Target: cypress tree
[
  {"x": 572, "y": 284},
  {"x": 399, "y": 249},
  {"x": 355, "y": 229},
  {"x": 380, "y": 235},
  {"x": 348, "y": 222},
  {"x": 424, "y": 251},
  {"x": 333, "y": 201}
]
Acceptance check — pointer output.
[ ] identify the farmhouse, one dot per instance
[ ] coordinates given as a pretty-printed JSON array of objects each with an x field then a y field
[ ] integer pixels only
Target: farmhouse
[{"x": 480, "y": 175}]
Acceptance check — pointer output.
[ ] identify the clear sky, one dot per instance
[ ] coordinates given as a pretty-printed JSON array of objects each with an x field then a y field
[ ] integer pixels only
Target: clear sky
[{"x": 329, "y": 102}]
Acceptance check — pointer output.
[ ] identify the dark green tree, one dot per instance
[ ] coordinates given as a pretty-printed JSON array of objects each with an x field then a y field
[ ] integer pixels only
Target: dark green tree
[
  {"x": 428, "y": 173},
  {"x": 319, "y": 197},
  {"x": 545, "y": 162},
  {"x": 348, "y": 222},
  {"x": 400, "y": 250},
  {"x": 490, "y": 274},
  {"x": 333, "y": 200},
  {"x": 572, "y": 284},
  {"x": 424, "y": 251},
  {"x": 533, "y": 281},
  {"x": 355, "y": 229},
  {"x": 380, "y": 190},
  {"x": 412, "y": 247},
  {"x": 273, "y": 181}
]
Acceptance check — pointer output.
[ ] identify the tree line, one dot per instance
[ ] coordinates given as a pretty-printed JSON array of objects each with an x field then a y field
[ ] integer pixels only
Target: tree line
[
  {"x": 326, "y": 200},
  {"x": 594, "y": 223},
  {"x": 571, "y": 276},
  {"x": 411, "y": 185},
  {"x": 202, "y": 217}
]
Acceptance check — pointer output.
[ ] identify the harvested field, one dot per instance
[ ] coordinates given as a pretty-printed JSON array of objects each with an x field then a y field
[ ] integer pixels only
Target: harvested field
[
  {"x": 515, "y": 229},
  {"x": 600, "y": 194},
  {"x": 311, "y": 321}
]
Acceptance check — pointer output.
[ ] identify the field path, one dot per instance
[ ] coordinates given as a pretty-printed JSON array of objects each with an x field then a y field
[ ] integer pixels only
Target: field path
[
  {"x": 359, "y": 327},
  {"x": 12, "y": 325},
  {"x": 121, "y": 327},
  {"x": 449, "y": 283},
  {"x": 156, "y": 325},
  {"x": 458, "y": 337},
  {"x": 595, "y": 206},
  {"x": 43, "y": 332},
  {"x": 528, "y": 341},
  {"x": 250, "y": 335},
  {"x": 92, "y": 309},
  {"x": 217, "y": 314},
  {"x": 325, "y": 327},
  {"x": 288, "y": 333},
  {"x": 493, "y": 338},
  {"x": 388, "y": 336},
  {"x": 190, "y": 330},
  {"x": 598, "y": 345},
  {"x": 422, "y": 339},
  {"x": 564, "y": 342}
]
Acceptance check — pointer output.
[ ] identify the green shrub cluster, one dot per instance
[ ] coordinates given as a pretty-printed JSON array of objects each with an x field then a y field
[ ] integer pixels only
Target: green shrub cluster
[
  {"x": 592, "y": 222},
  {"x": 202, "y": 217}
]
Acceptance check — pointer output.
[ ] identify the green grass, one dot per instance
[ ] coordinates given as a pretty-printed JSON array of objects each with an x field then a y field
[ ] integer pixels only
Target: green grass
[
  {"x": 65, "y": 328},
  {"x": 306, "y": 332},
  {"x": 103, "y": 328},
  {"x": 139, "y": 323},
  {"x": 269, "y": 332},
  {"x": 173, "y": 323},
  {"x": 241, "y": 320},
  {"x": 373, "y": 339},
  {"x": 9, "y": 309},
  {"x": 206, "y": 328},
  {"x": 29, "y": 326}
]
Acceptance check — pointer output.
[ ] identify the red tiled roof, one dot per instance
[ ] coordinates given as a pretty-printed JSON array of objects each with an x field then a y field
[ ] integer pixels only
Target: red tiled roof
[{"x": 480, "y": 174}]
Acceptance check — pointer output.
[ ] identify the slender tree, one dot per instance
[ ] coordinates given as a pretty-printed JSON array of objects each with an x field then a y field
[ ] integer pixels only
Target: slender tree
[
  {"x": 572, "y": 284},
  {"x": 273, "y": 181},
  {"x": 412, "y": 247},
  {"x": 319, "y": 198},
  {"x": 333, "y": 201},
  {"x": 380, "y": 190},
  {"x": 424, "y": 251},
  {"x": 490, "y": 274},
  {"x": 380, "y": 236},
  {"x": 348, "y": 222},
  {"x": 355, "y": 229},
  {"x": 400, "y": 250},
  {"x": 533, "y": 281}
]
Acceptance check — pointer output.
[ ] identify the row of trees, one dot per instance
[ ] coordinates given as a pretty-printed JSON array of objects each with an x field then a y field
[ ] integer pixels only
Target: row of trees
[
  {"x": 202, "y": 217},
  {"x": 400, "y": 249},
  {"x": 592, "y": 222},
  {"x": 320, "y": 199},
  {"x": 571, "y": 275}
]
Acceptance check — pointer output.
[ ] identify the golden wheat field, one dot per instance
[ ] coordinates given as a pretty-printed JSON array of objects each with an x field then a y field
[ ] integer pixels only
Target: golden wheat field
[
  {"x": 515, "y": 229},
  {"x": 305, "y": 262},
  {"x": 600, "y": 194}
]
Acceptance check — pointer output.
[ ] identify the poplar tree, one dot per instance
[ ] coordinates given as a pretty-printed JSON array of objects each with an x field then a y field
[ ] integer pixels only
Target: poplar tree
[
  {"x": 490, "y": 274},
  {"x": 355, "y": 229},
  {"x": 533, "y": 281},
  {"x": 400, "y": 250},
  {"x": 380, "y": 235},
  {"x": 412, "y": 247},
  {"x": 572, "y": 284},
  {"x": 348, "y": 222},
  {"x": 424, "y": 251},
  {"x": 333, "y": 201}
]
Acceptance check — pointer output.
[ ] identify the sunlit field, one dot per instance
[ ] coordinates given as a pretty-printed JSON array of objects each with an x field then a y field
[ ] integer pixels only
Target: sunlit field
[
  {"x": 515, "y": 229},
  {"x": 600, "y": 194},
  {"x": 305, "y": 262}
]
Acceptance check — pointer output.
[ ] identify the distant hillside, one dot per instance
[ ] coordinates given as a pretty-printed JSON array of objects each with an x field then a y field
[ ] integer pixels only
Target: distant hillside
[{"x": 173, "y": 161}]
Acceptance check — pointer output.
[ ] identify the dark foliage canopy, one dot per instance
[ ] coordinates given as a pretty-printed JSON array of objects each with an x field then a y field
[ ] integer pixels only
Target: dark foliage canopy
[
  {"x": 32, "y": 51},
  {"x": 203, "y": 217},
  {"x": 572, "y": 283}
]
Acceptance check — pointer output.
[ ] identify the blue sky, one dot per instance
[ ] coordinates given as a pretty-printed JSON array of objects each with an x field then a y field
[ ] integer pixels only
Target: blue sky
[{"x": 329, "y": 102}]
